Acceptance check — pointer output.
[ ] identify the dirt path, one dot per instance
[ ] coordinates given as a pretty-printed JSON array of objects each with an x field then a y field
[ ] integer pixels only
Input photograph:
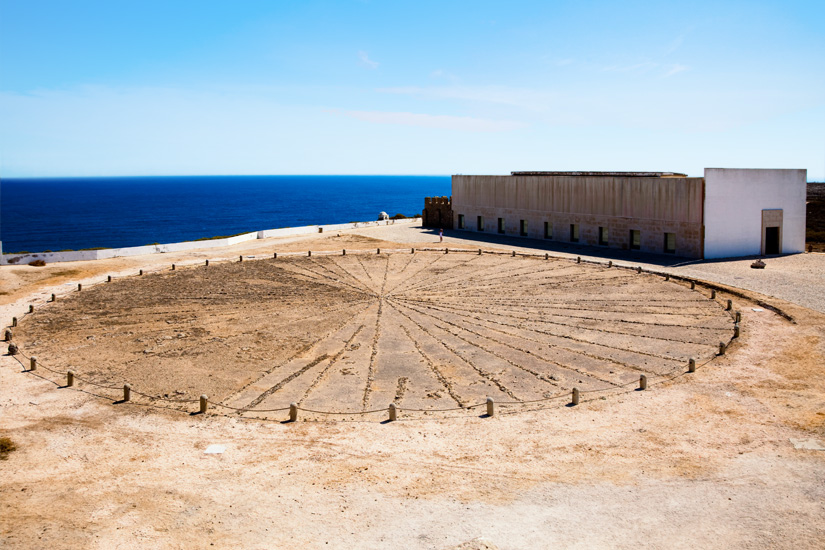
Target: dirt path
[{"x": 703, "y": 460}]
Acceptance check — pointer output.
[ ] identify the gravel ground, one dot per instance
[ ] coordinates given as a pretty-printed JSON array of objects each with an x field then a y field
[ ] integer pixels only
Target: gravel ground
[{"x": 798, "y": 278}]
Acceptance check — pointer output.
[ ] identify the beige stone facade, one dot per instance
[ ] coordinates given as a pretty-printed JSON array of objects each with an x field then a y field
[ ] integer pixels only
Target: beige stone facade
[
  {"x": 437, "y": 212},
  {"x": 604, "y": 210}
]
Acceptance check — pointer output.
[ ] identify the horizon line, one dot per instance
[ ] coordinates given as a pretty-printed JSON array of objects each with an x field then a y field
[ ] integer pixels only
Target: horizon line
[{"x": 223, "y": 176}]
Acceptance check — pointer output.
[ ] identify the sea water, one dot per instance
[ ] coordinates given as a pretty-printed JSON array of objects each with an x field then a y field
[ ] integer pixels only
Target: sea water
[{"x": 40, "y": 214}]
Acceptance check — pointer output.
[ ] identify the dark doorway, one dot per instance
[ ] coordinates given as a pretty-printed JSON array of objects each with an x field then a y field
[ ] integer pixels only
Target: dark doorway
[{"x": 771, "y": 240}]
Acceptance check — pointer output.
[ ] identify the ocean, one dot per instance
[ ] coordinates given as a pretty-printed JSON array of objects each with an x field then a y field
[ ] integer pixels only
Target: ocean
[{"x": 41, "y": 214}]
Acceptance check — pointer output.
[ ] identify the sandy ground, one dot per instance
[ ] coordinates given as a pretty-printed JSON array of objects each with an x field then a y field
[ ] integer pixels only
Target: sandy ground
[
  {"x": 797, "y": 278},
  {"x": 701, "y": 460}
]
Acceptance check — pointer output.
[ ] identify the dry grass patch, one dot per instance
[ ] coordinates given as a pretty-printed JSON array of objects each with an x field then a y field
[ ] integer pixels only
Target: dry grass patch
[{"x": 6, "y": 447}]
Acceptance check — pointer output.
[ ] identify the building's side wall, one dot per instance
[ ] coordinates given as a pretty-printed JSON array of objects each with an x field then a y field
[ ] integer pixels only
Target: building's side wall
[
  {"x": 654, "y": 206},
  {"x": 734, "y": 201}
]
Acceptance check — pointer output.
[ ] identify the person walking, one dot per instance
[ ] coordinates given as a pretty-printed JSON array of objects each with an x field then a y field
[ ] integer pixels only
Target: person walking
[{"x": 441, "y": 235}]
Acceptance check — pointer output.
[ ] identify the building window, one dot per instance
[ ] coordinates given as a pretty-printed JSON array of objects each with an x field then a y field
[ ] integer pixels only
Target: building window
[
  {"x": 635, "y": 239},
  {"x": 501, "y": 225},
  {"x": 461, "y": 221},
  {"x": 574, "y": 232},
  {"x": 480, "y": 223},
  {"x": 603, "y": 236},
  {"x": 522, "y": 228},
  {"x": 670, "y": 243},
  {"x": 548, "y": 230}
]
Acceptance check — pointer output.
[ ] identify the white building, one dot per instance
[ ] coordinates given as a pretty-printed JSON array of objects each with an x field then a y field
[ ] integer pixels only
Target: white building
[{"x": 754, "y": 211}]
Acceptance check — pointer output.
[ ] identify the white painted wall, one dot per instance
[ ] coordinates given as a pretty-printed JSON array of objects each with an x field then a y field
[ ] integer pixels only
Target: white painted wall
[
  {"x": 81, "y": 255},
  {"x": 734, "y": 200}
]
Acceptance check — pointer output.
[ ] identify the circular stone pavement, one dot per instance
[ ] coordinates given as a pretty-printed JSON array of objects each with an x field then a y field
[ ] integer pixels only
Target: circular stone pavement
[{"x": 349, "y": 333}]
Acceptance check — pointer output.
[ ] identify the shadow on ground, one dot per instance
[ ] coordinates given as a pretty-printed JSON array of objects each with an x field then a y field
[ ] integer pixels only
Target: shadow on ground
[{"x": 662, "y": 260}]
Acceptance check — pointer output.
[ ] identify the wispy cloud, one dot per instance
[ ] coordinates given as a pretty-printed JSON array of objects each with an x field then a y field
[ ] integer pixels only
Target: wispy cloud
[
  {"x": 441, "y": 122},
  {"x": 676, "y": 69},
  {"x": 636, "y": 67},
  {"x": 518, "y": 97},
  {"x": 366, "y": 61},
  {"x": 669, "y": 69},
  {"x": 442, "y": 74},
  {"x": 677, "y": 42}
]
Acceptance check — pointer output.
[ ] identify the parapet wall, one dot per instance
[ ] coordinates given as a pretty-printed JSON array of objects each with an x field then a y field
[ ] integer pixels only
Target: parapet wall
[{"x": 82, "y": 255}]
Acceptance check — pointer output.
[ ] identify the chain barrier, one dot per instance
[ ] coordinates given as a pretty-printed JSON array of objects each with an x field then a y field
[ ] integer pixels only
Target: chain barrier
[{"x": 658, "y": 378}]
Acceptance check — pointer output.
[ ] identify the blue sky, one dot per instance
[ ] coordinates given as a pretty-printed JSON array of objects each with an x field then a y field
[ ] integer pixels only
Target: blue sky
[{"x": 377, "y": 87}]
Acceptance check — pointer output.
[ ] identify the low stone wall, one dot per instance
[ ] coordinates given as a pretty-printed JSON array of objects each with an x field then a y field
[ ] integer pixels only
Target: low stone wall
[{"x": 83, "y": 255}]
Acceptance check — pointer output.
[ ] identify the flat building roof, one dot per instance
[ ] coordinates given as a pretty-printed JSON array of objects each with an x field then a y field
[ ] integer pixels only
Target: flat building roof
[{"x": 605, "y": 174}]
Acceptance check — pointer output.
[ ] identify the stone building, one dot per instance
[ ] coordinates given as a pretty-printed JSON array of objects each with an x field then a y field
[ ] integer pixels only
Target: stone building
[
  {"x": 728, "y": 212},
  {"x": 437, "y": 212}
]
